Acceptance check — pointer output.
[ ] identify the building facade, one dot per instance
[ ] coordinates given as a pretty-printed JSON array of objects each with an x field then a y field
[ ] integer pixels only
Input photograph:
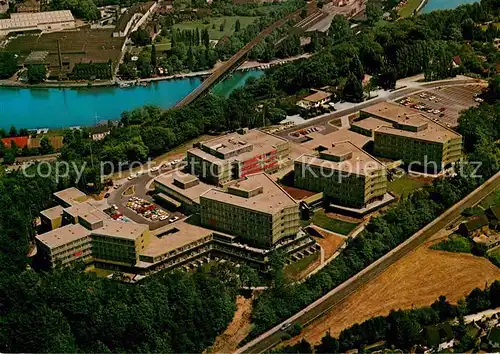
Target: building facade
[
  {"x": 346, "y": 175},
  {"x": 234, "y": 156},
  {"x": 410, "y": 136},
  {"x": 255, "y": 209}
]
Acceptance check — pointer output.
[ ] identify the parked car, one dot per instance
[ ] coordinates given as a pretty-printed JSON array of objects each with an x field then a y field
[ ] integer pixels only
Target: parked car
[
  {"x": 106, "y": 195},
  {"x": 174, "y": 219}
]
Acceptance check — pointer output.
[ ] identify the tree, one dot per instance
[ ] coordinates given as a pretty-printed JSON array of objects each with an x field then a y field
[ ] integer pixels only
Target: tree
[
  {"x": 248, "y": 276},
  {"x": 374, "y": 11},
  {"x": 12, "y": 131},
  {"x": 153, "y": 57},
  {"x": 328, "y": 344},
  {"x": 45, "y": 146},
  {"x": 37, "y": 73},
  {"x": 237, "y": 25},
  {"x": 140, "y": 37},
  {"x": 353, "y": 89},
  {"x": 127, "y": 71},
  {"x": 8, "y": 65},
  {"x": 205, "y": 38}
]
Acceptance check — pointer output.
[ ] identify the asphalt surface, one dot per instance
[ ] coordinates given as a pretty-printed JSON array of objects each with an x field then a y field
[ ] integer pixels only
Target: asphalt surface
[
  {"x": 117, "y": 198},
  {"x": 400, "y": 93},
  {"x": 328, "y": 303}
]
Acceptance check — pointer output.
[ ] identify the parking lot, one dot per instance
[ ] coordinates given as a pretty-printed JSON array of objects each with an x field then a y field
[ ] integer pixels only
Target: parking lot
[{"x": 444, "y": 104}]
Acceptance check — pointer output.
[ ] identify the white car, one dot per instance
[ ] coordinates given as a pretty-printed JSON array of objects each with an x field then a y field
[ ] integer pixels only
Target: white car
[
  {"x": 174, "y": 219},
  {"x": 285, "y": 326},
  {"x": 163, "y": 217},
  {"x": 154, "y": 169}
]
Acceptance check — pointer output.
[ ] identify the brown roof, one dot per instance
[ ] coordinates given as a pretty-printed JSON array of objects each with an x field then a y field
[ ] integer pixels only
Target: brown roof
[
  {"x": 171, "y": 237},
  {"x": 71, "y": 195},
  {"x": 53, "y": 213},
  {"x": 271, "y": 198},
  {"x": 317, "y": 96},
  {"x": 193, "y": 193},
  {"x": 369, "y": 124},
  {"x": 119, "y": 229},
  {"x": 326, "y": 140},
  {"x": 86, "y": 212},
  {"x": 63, "y": 235},
  {"x": 357, "y": 160},
  {"x": 259, "y": 142}
]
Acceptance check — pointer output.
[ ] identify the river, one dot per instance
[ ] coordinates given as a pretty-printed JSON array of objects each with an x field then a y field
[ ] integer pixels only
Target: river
[
  {"x": 444, "y": 4},
  {"x": 58, "y": 108}
]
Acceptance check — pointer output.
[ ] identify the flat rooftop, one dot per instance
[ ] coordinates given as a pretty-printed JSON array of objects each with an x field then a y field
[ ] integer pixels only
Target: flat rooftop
[
  {"x": 119, "y": 229},
  {"x": 358, "y": 162},
  {"x": 24, "y": 20},
  {"x": 171, "y": 237},
  {"x": 71, "y": 196},
  {"x": 193, "y": 193},
  {"x": 395, "y": 113},
  {"x": 430, "y": 130},
  {"x": 259, "y": 142},
  {"x": 53, "y": 213},
  {"x": 271, "y": 198},
  {"x": 86, "y": 212},
  {"x": 63, "y": 235},
  {"x": 370, "y": 123},
  {"x": 434, "y": 132},
  {"x": 326, "y": 140}
]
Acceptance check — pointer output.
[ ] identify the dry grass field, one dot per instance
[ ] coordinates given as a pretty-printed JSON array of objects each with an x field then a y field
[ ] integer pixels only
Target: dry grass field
[{"x": 415, "y": 281}]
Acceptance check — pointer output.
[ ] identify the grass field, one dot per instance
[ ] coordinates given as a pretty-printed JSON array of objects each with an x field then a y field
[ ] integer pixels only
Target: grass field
[
  {"x": 294, "y": 270},
  {"x": 84, "y": 45},
  {"x": 404, "y": 185},
  {"x": 492, "y": 199},
  {"x": 415, "y": 281},
  {"x": 408, "y": 9},
  {"x": 335, "y": 225},
  {"x": 215, "y": 33}
]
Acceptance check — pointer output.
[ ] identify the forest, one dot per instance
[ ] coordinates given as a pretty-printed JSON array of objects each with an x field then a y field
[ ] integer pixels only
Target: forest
[{"x": 67, "y": 311}]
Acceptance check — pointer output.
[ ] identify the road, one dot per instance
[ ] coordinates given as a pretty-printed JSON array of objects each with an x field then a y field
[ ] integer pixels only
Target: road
[
  {"x": 328, "y": 302},
  {"x": 400, "y": 93},
  {"x": 140, "y": 183}
]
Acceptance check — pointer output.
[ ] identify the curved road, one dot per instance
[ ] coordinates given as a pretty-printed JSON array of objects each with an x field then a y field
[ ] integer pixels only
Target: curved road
[{"x": 328, "y": 302}]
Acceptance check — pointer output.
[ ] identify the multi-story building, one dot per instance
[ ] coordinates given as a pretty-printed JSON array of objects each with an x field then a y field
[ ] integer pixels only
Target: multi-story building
[
  {"x": 70, "y": 196},
  {"x": 237, "y": 155},
  {"x": 256, "y": 209},
  {"x": 119, "y": 242},
  {"x": 65, "y": 245},
  {"x": 345, "y": 174},
  {"x": 183, "y": 188},
  {"x": 410, "y": 136},
  {"x": 52, "y": 218}
]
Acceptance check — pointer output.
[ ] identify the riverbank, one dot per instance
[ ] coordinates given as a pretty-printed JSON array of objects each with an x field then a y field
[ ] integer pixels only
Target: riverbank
[{"x": 248, "y": 65}]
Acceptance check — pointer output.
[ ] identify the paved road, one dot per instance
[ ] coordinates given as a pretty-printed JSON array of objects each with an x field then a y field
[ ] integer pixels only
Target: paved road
[
  {"x": 333, "y": 298},
  {"x": 140, "y": 183},
  {"x": 400, "y": 93}
]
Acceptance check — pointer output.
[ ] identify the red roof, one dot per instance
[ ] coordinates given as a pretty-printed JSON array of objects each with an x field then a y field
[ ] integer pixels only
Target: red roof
[
  {"x": 457, "y": 60},
  {"x": 20, "y": 141}
]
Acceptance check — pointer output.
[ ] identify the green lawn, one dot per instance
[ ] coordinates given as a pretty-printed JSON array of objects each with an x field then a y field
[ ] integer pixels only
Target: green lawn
[
  {"x": 295, "y": 269},
  {"x": 215, "y": 33},
  {"x": 408, "y": 9},
  {"x": 491, "y": 199},
  {"x": 404, "y": 185},
  {"x": 339, "y": 226}
]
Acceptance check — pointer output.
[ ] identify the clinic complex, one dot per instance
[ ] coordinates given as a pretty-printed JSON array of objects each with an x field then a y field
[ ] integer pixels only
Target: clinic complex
[{"x": 237, "y": 211}]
